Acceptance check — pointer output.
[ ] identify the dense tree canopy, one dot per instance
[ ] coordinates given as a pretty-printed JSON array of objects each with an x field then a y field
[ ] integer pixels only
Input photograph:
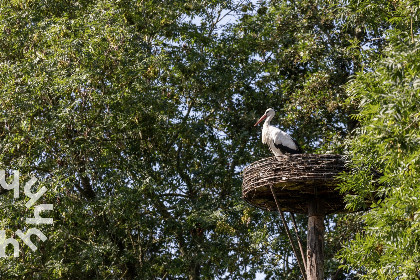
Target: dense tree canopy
[
  {"x": 384, "y": 150},
  {"x": 138, "y": 118},
  {"x": 387, "y": 141}
]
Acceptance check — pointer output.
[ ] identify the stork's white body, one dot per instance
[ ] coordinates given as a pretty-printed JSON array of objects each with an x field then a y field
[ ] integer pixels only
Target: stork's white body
[{"x": 278, "y": 141}]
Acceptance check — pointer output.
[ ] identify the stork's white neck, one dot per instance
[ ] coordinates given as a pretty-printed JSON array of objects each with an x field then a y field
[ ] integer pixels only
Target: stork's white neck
[
  {"x": 266, "y": 130},
  {"x": 268, "y": 120}
]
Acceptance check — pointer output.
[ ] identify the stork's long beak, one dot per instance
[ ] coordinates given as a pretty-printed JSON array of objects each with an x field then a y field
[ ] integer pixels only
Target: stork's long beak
[{"x": 260, "y": 120}]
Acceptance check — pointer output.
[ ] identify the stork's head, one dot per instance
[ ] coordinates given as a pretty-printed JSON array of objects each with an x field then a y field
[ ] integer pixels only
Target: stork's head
[{"x": 269, "y": 113}]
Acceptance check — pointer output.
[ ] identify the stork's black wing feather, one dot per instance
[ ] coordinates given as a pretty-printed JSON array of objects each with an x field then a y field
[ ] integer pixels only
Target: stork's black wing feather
[{"x": 288, "y": 150}]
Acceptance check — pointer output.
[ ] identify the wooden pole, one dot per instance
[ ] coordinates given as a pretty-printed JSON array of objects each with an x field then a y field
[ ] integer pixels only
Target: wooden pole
[{"x": 315, "y": 250}]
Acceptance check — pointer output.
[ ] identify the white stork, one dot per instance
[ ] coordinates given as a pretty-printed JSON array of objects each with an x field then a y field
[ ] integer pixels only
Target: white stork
[{"x": 279, "y": 141}]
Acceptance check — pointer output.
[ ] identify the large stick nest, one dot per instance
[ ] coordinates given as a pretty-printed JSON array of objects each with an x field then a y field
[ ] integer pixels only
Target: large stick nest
[{"x": 296, "y": 179}]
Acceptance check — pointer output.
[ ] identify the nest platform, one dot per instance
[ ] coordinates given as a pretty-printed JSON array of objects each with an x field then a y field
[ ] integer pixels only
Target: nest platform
[{"x": 296, "y": 179}]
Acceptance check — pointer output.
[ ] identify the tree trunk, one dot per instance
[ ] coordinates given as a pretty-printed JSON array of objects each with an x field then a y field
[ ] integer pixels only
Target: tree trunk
[
  {"x": 315, "y": 250},
  {"x": 194, "y": 271}
]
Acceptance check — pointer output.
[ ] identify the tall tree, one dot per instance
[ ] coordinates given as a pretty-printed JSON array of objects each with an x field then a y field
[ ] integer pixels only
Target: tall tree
[
  {"x": 384, "y": 148},
  {"x": 388, "y": 141},
  {"x": 116, "y": 105}
]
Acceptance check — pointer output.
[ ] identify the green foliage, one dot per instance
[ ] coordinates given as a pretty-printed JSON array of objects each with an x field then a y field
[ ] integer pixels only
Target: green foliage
[
  {"x": 137, "y": 116},
  {"x": 387, "y": 141},
  {"x": 304, "y": 56},
  {"x": 116, "y": 105}
]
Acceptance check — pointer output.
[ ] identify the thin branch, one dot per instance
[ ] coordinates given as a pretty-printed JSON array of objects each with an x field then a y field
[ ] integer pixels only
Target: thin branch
[
  {"x": 299, "y": 240},
  {"x": 288, "y": 233},
  {"x": 183, "y": 123},
  {"x": 411, "y": 25},
  {"x": 174, "y": 195}
]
